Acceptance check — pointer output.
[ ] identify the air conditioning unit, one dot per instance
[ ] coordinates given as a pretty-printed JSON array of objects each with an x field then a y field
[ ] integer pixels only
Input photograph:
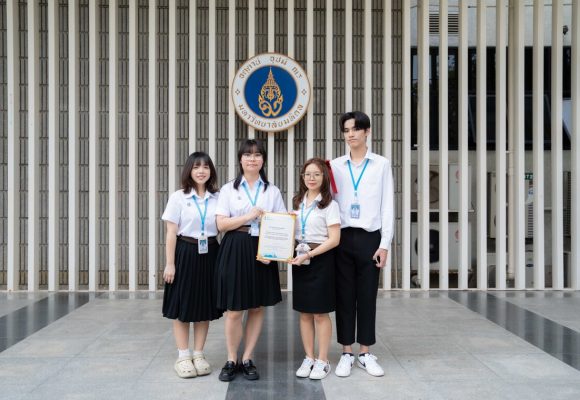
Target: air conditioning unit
[
  {"x": 434, "y": 237},
  {"x": 453, "y": 189},
  {"x": 529, "y": 206}
]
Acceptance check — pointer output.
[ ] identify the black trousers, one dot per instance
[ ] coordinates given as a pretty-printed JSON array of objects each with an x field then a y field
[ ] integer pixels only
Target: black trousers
[{"x": 357, "y": 283}]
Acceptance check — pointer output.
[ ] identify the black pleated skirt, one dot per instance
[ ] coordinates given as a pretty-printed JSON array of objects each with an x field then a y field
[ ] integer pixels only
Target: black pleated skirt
[
  {"x": 313, "y": 285},
  {"x": 242, "y": 281},
  {"x": 191, "y": 296}
]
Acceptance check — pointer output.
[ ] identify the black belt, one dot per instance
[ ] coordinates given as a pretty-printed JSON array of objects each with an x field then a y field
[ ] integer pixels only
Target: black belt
[{"x": 210, "y": 240}]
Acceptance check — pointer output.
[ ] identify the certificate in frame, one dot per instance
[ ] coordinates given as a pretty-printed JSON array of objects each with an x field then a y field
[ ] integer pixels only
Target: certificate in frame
[{"x": 276, "y": 241}]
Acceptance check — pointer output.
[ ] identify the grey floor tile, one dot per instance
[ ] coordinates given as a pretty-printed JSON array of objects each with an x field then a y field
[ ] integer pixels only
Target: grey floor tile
[
  {"x": 500, "y": 343},
  {"x": 484, "y": 390},
  {"x": 101, "y": 370},
  {"x": 422, "y": 345},
  {"x": 81, "y": 391},
  {"x": 30, "y": 372},
  {"x": 529, "y": 367},
  {"x": 352, "y": 388},
  {"x": 194, "y": 388},
  {"x": 117, "y": 346},
  {"x": 445, "y": 368},
  {"x": 40, "y": 346}
]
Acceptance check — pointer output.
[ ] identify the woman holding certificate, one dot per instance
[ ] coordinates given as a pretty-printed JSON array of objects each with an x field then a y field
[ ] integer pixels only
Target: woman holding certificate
[
  {"x": 243, "y": 283},
  {"x": 191, "y": 249},
  {"x": 317, "y": 233}
]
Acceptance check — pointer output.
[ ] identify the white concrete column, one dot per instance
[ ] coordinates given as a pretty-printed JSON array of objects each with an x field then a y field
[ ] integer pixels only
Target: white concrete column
[
  {"x": 557, "y": 146},
  {"x": 423, "y": 141},
  {"x": 251, "y": 45},
  {"x": 271, "y": 135},
  {"x": 192, "y": 74},
  {"x": 93, "y": 146},
  {"x": 329, "y": 80},
  {"x": 538, "y": 126},
  {"x": 310, "y": 73},
  {"x": 13, "y": 149},
  {"x": 387, "y": 113},
  {"x": 33, "y": 74},
  {"x": 211, "y": 109},
  {"x": 500, "y": 151},
  {"x": 113, "y": 140},
  {"x": 406, "y": 206},
  {"x": 232, "y": 160},
  {"x": 153, "y": 213},
  {"x": 133, "y": 139},
  {"x": 172, "y": 106},
  {"x": 443, "y": 147},
  {"x": 517, "y": 135},
  {"x": 481, "y": 140},
  {"x": 73, "y": 147},
  {"x": 348, "y": 55},
  {"x": 53, "y": 147},
  {"x": 463, "y": 149},
  {"x": 291, "y": 147}
]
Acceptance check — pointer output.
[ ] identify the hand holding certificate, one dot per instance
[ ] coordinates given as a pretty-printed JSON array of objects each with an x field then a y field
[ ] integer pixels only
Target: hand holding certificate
[{"x": 276, "y": 242}]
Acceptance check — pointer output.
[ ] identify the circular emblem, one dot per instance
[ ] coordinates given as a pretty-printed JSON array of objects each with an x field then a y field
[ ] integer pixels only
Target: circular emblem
[{"x": 271, "y": 92}]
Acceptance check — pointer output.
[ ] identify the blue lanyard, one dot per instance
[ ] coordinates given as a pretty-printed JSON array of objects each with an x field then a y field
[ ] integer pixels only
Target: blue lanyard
[
  {"x": 202, "y": 216},
  {"x": 248, "y": 193},
  {"x": 359, "y": 177},
  {"x": 303, "y": 220}
]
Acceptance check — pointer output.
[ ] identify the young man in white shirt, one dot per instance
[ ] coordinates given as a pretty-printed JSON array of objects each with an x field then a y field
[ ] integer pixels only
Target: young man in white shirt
[{"x": 365, "y": 195}]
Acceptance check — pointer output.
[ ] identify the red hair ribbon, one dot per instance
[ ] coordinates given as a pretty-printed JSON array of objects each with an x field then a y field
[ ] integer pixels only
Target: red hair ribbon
[{"x": 331, "y": 175}]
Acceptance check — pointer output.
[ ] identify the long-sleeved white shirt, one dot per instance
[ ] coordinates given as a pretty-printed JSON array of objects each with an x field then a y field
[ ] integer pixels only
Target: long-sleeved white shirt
[{"x": 375, "y": 195}]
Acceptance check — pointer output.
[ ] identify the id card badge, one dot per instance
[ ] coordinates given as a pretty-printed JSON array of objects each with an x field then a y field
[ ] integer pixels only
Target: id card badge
[
  {"x": 255, "y": 228},
  {"x": 202, "y": 244},
  {"x": 355, "y": 210}
]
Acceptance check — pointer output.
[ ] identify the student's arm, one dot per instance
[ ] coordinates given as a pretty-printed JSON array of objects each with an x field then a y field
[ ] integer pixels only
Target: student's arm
[
  {"x": 387, "y": 216},
  {"x": 226, "y": 224},
  {"x": 170, "y": 242},
  {"x": 328, "y": 244}
]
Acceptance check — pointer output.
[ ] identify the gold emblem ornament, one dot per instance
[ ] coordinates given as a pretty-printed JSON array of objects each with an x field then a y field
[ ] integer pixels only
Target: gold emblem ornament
[{"x": 270, "y": 98}]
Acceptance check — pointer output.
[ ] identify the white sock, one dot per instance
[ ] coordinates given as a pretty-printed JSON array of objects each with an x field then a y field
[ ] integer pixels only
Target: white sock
[
  {"x": 183, "y": 353},
  {"x": 197, "y": 353}
]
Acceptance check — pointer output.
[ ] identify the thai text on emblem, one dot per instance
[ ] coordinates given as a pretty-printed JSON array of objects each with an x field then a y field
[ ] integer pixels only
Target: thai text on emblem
[{"x": 270, "y": 98}]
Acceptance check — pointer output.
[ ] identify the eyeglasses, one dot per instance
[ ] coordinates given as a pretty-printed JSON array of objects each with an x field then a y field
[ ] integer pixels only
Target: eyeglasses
[
  {"x": 353, "y": 129},
  {"x": 316, "y": 175},
  {"x": 255, "y": 156}
]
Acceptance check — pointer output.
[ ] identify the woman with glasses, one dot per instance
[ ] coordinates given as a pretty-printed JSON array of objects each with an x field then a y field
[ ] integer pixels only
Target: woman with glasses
[
  {"x": 191, "y": 249},
  {"x": 317, "y": 233},
  {"x": 243, "y": 283}
]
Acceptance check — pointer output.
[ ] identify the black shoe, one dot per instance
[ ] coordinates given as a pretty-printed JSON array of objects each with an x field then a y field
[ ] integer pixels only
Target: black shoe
[
  {"x": 249, "y": 370},
  {"x": 228, "y": 372}
]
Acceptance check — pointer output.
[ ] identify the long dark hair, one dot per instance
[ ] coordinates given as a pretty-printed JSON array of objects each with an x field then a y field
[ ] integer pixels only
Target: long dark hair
[
  {"x": 251, "y": 146},
  {"x": 324, "y": 189},
  {"x": 195, "y": 159}
]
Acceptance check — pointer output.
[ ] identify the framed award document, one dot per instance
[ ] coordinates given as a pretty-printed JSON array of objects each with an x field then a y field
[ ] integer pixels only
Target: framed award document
[{"x": 276, "y": 241}]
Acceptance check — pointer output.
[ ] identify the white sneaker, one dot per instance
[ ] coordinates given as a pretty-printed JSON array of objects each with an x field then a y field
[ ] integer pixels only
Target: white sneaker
[
  {"x": 344, "y": 365},
  {"x": 305, "y": 368},
  {"x": 368, "y": 362},
  {"x": 320, "y": 370},
  {"x": 184, "y": 368}
]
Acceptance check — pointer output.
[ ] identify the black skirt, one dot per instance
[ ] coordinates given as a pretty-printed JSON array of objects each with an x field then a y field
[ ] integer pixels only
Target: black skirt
[
  {"x": 313, "y": 285},
  {"x": 242, "y": 281},
  {"x": 191, "y": 296}
]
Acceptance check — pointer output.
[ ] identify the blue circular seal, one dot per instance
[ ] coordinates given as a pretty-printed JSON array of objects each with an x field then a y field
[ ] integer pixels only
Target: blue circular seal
[{"x": 271, "y": 92}]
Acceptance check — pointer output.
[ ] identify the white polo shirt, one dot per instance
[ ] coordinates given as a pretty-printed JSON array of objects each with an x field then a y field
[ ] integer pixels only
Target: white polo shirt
[
  {"x": 318, "y": 220},
  {"x": 235, "y": 202},
  {"x": 181, "y": 210},
  {"x": 375, "y": 194}
]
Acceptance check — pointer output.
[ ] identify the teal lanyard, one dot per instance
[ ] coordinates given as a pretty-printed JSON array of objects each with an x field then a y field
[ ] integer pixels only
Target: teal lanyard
[
  {"x": 245, "y": 185},
  {"x": 303, "y": 219},
  {"x": 201, "y": 215},
  {"x": 359, "y": 177}
]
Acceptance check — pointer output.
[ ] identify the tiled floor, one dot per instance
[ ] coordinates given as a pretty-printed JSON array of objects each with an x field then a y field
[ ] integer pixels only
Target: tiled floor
[{"x": 435, "y": 345}]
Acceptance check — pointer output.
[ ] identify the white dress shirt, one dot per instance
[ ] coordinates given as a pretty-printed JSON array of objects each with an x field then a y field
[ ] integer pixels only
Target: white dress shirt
[
  {"x": 233, "y": 203},
  {"x": 318, "y": 220},
  {"x": 181, "y": 210},
  {"x": 375, "y": 194}
]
